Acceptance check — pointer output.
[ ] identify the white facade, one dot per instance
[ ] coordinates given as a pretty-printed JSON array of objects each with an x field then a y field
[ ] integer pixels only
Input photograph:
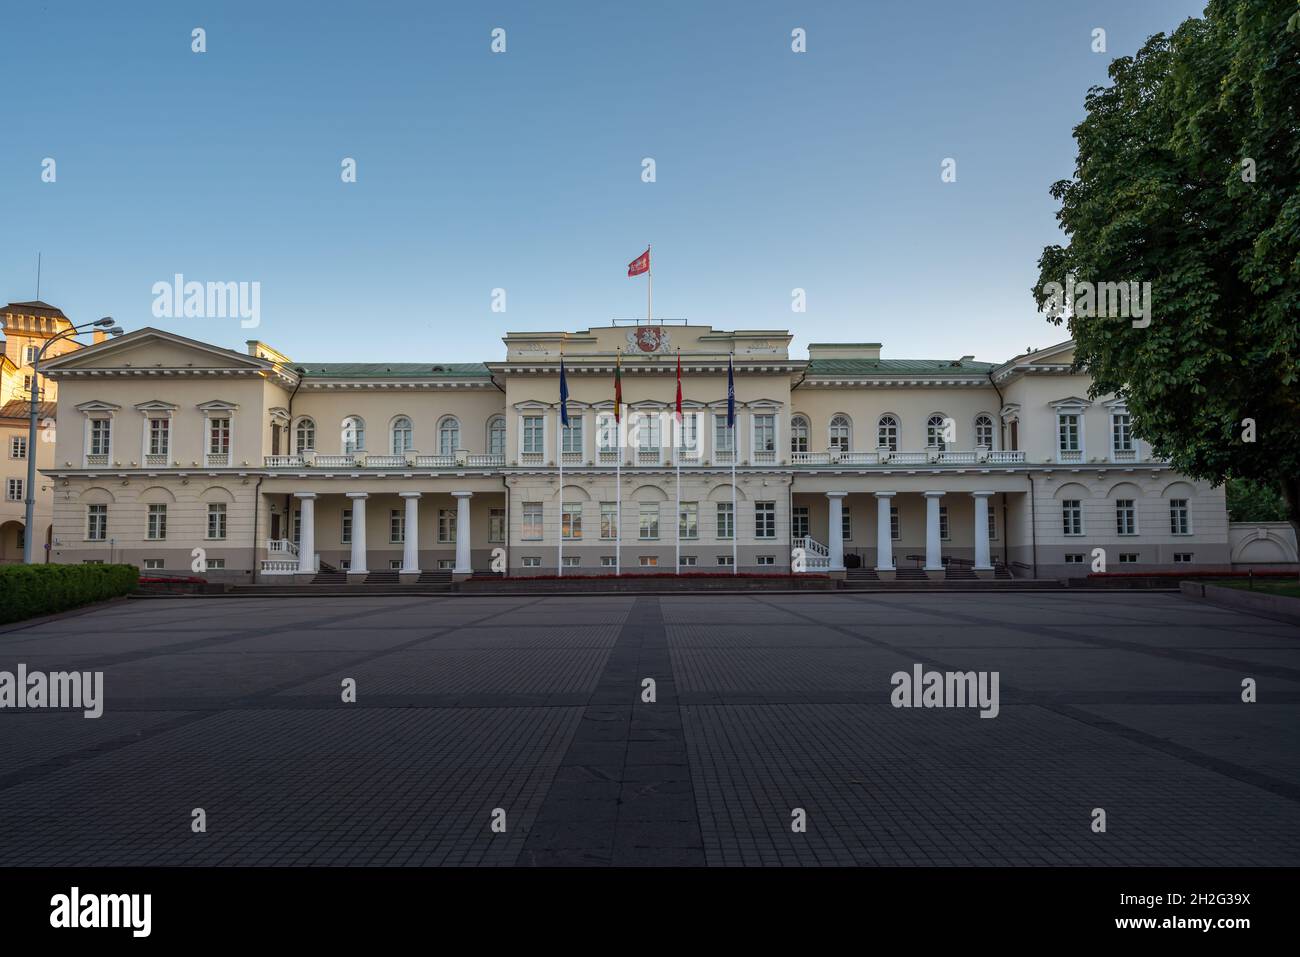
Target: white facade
[{"x": 181, "y": 457}]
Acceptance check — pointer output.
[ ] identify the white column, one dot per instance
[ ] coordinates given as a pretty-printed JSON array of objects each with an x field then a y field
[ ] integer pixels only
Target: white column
[
  {"x": 884, "y": 541},
  {"x": 358, "y": 532},
  {"x": 463, "y": 566},
  {"x": 307, "y": 537},
  {"x": 982, "y": 529},
  {"x": 933, "y": 556},
  {"x": 835, "y": 532},
  {"x": 411, "y": 542}
]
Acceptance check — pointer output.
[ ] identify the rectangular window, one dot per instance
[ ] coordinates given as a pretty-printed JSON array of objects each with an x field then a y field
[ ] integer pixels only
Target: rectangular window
[
  {"x": 608, "y": 561},
  {"x": 993, "y": 523},
  {"x": 1180, "y": 517},
  {"x": 767, "y": 559},
  {"x": 219, "y": 436},
  {"x": 722, "y": 435},
  {"x": 345, "y": 531},
  {"x": 217, "y": 520},
  {"x": 724, "y": 560},
  {"x": 688, "y": 521},
  {"x": 649, "y": 561},
  {"x": 297, "y": 525},
  {"x": 157, "y": 527},
  {"x": 764, "y": 433},
  {"x": 1182, "y": 558},
  {"x": 29, "y": 355},
  {"x": 1067, "y": 432},
  {"x": 571, "y": 521},
  {"x": 799, "y": 521},
  {"x": 395, "y": 564},
  {"x": 159, "y": 436},
  {"x": 18, "y": 446},
  {"x": 690, "y": 431},
  {"x": 1128, "y": 558},
  {"x": 895, "y": 525},
  {"x": 1121, "y": 432},
  {"x": 649, "y": 521},
  {"x": 765, "y": 519},
  {"x": 532, "y": 561},
  {"x": 726, "y": 521},
  {"x": 532, "y": 530},
  {"x": 101, "y": 431},
  {"x": 1071, "y": 517},
  {"x": 534, "y": 434},
  {"x": 688, "y": 561},
  {"x": 572, "y": 561},
  {"x": 216, "y": 564},
  {"x": 606, "y": 431},
  {"x": 496, "y": 525},
  {"x": 846, "y": 524},
  {"x": 447, "y": 526},
  {"x": 609, "y": 521},
  {"x": 396, "y": 526},
  {"x": 943, "y": 523},
  {"x": 647, "y": 429},
  {"x": 153, "y": 564},
  {"x": 1074, "y": 558},
  {"x": 1125, "y": 517},
  {"x": 14, "y": 490},
  {"x": 572, "y": 435},
  {"x": 446, "y": 564}
]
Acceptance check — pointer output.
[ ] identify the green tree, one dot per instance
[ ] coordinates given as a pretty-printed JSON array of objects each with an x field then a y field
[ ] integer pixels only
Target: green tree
[
  {"x": 1188, "y": 177},
  {"x": 1251, "y": 502}
]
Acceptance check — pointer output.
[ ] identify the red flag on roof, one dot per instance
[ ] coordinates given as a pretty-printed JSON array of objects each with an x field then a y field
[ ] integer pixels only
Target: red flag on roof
[{"x": 639, "y": 265}]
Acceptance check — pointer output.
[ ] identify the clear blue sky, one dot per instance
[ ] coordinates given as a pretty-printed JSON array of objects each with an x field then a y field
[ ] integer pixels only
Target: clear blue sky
[{"x": 523, "y": 170}]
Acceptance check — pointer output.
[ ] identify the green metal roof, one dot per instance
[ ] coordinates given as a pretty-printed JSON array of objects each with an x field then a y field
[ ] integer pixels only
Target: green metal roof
[
  {"x": 393, "y": 370},
  {"x": 872, "y": 367}
]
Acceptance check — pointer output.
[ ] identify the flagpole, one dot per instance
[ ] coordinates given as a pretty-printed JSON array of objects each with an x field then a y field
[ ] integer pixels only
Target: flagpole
[
  {"x": 735, "y": 453},
  {"x": 618, "y": 480},
  {"x": 559, "y": 449},
  {"x": 650, "y": 286}
]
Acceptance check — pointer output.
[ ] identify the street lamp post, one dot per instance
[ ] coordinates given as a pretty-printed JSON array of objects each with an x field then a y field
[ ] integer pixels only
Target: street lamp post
[{"x": 29, "y": 499}]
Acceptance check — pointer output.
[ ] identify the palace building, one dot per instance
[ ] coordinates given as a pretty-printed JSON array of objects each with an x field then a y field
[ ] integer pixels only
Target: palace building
[{"x": 180, "y": 456}]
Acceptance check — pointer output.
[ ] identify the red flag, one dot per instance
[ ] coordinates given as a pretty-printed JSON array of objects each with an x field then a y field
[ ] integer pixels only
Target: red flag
[
  {"x": 679, "y": 386},
  {"x": 639, "y": 265}
]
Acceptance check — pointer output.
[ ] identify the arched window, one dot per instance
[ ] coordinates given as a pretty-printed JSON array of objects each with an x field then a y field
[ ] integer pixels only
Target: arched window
[
  {"x": 305, "y": 436},
  {"x": 798, "y": 434},
  {"x": 354, "y": 434},
  {"x": 887, "y": 433},
  {"x": 934, "y": 431},
  {"x": 448, "y": 436},
  {"x": 984, "y": 431},
  {"x": 403, "y": 436},
  {"x": 840, "y": 433},
  {"x": 496, "y": 444}
]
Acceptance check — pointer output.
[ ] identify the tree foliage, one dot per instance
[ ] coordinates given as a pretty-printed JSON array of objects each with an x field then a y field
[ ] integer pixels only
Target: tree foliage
[{"x": 1188, "y": 176}]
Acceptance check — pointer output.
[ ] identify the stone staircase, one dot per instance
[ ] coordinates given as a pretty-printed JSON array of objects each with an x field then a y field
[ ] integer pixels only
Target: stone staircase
[
  {"x": 862, "y": 574},
  {"x": 385, "y": 576},
  {"x": 435, "y": 576}
]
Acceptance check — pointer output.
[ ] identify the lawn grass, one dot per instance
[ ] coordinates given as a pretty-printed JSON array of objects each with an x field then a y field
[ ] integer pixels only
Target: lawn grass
[{"x": 1289, "y": 589}]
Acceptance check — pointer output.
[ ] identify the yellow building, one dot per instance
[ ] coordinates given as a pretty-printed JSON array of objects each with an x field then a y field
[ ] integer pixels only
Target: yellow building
[
  {"x": 178, "y": 456},
  {"x": 26, "y": 328}
]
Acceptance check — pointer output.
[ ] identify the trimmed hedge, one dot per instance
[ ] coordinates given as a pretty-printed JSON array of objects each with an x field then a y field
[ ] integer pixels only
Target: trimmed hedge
[{"x": 30, "y": 590}]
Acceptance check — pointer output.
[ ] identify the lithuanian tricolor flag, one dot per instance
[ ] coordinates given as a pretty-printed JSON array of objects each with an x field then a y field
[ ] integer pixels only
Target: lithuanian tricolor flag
[{"x": 618, "y": 387}]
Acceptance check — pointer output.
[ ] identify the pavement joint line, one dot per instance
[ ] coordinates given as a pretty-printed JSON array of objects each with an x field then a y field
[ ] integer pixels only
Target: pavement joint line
[{"x": 1165, "y": 746}]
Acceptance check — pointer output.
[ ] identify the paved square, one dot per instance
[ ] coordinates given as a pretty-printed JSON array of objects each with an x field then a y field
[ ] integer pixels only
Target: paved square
[{"x": 470, "y": 709}]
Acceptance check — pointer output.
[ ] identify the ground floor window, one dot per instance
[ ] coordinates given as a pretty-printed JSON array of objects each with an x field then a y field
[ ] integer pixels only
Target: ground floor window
[
  {"x": 943, "y": 523},
  {"x": 396, "y": 527},
  {"x": 1128, "y": 558},
  {"x": 447, "y": 526},
  {"x": 649, "y": 521},
  {"x": 846, "y": 524},
  {"x": 609, "y": 521},
  {"x": 726, "y": 521},
  {"x": 799, "y": 521},
  {"x": 1074, "y": 558},
  {"x": 532, "y": 530},
  {"x": 395, "y": 564},
  {"x": 895, "y": 526},
  {"x": 496, "y": 525},
  {"x": 571, "y": 521},
  {"x": 649, "y": 561},
  {"x": 157, "y": 527},
  {"x": 724, "y": 560},
  {"x": 217, "y": 520},
  {"x": 345, "y": 530},
  {"x": 767, "y": 559},
  {"x": 96, "y": 522},
  {"x": 1182, "y": 558},
  {"x": 687, "y": 561},
  {"x": 532, "y": 561},
  {"x": 688, "y": 520},
  {"x": 608, "y": 561},
  {"x": 216, "y": 564},
  {"x": 572, "y": 561},
  {"x": 765, "y": 519},
  {"x": 446, "y": 564},
  {"x": 153, "y": 563}
]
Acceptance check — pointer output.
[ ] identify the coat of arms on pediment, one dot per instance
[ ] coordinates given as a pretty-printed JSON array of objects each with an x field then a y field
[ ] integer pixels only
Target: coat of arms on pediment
[{"x": 649, "y": 339}]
